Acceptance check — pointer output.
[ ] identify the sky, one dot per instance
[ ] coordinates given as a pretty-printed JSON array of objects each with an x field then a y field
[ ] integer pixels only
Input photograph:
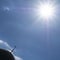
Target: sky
[{"x": 20, "y": 26}]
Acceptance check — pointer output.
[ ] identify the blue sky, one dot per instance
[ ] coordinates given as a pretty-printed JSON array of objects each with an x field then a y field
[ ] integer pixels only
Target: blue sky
[{"x": 18, "y": 27}]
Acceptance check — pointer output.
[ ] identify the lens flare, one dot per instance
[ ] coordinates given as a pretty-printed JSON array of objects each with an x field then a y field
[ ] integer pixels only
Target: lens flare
[{"x": 46, "y": 10}]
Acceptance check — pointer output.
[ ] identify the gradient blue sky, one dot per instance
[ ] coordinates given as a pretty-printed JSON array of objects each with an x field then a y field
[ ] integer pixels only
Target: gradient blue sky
[{"x": 18, "y": 27}]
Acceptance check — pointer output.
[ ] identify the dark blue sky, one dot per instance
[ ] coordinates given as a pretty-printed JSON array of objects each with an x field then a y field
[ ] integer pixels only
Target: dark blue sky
[{"x": 33, "y": 41}]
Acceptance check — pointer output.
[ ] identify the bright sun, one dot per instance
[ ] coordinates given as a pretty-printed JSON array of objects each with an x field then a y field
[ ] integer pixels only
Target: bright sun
[{"x": 46, "y": 10}]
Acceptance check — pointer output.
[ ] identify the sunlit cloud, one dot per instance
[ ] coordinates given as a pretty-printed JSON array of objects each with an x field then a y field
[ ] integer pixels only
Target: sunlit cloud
[
  {"x": 17, "y": 58},
  {"x": 3, "y": 43}
]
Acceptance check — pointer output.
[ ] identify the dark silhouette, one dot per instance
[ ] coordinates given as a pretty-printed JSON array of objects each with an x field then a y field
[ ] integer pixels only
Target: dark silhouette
[{"x": 6, "y": 55}]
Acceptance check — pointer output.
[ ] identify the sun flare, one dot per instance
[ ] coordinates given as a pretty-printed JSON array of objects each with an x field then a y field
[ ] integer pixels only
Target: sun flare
[{"x": 46, "y": 10}]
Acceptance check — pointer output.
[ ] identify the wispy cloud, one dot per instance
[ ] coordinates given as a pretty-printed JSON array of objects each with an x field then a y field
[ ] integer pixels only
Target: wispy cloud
[
  {"x": 18, "y": 58},
  {"x": 5, "y": 44},
  {"x": 9, "y": 47}
]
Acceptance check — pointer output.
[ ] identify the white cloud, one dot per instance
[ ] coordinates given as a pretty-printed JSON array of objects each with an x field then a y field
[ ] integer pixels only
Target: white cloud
[
  {"x": 5, "y": 44},
  {"x": 17, "y": 58},
  {"x": 8, "y": 47}
]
